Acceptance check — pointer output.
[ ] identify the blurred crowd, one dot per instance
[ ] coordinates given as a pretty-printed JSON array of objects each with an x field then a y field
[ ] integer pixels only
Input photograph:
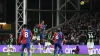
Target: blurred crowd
[
  {"x": 4, "y": 39},
  {"x": 76, "y": 31}
]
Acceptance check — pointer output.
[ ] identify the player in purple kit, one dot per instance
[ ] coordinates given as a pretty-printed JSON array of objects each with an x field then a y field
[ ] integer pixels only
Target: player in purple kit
[
  {"x": 25, "y": 38},
  {"x": 58, "y": 37}
]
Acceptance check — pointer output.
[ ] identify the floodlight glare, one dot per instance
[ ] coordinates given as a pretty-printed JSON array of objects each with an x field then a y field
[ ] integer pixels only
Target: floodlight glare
[{"x": 2, "y": 22}]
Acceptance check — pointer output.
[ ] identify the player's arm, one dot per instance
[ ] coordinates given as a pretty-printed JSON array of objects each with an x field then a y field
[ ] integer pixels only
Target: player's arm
[
  {"x": 20, "y": 38},
  {"x": 54, "y": 37},
  {"x": 44, "y": 28},
  {"x": 62, "y": 37},
  {"x": 39, "y": 26},
  {"x": 31, "y": 35}
]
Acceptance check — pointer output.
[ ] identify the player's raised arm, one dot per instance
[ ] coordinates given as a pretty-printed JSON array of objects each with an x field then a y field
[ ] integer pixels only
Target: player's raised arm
[
  {"x": 31, "y": 35},
  {"x": 19, "y": 38}
]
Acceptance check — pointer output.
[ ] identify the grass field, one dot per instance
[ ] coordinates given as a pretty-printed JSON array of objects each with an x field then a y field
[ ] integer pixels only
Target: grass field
[{"x": 18, "y": 54}]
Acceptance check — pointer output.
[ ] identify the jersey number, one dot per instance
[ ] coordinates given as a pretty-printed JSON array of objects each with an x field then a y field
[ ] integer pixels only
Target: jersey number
[
  {"x": 90, "y": 35},
  {"x": 26, "y": 34},
  {"x": 57, "y": 37}
]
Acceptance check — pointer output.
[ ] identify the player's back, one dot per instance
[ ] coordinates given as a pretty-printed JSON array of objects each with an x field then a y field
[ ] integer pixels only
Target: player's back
[
  {"x": 58, "y": 37},
  {"x": 42, "y": 28},
  {"x": 26, "y": 36},
  {"x": 90, "y": 37}
]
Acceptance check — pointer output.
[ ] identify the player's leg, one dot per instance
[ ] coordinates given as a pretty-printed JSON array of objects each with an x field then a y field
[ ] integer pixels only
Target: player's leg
[
  {"x": 11, "y": 48},
  {"x": 28, "y": 49},
  {"x": 25, "y": 51},
  {"x": 89, "y": 51},
  {"x": 89, "y": 48},
  {"x": 46, "y": 45},
  {"x": 52, "y": 46},
  {"x": 55, "y": 49},
  {"x": 60, "y": 51},
  {"x": 38, "y": 41},
  {"x": 42, "y": 40},
  {"x": 22, "y": 49},
  {"x": 31, "y": 49},
  {"x": 8, "y": 48}
]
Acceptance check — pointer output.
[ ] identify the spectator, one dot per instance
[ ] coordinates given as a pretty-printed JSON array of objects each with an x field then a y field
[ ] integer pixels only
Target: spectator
[{"x": 76, "y": 51}]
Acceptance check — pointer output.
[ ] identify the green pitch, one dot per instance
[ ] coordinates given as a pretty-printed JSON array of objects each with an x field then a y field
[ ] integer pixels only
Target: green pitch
[{"x": 18, "y": 54}]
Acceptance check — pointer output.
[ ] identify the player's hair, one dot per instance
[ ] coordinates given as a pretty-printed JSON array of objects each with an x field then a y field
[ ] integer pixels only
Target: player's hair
[
  {"x": 24, "y": 26},
  {"x": 41, "y": 21},
  {"x": 49, "y": 31},
  {"x": 58, "y": 29}
]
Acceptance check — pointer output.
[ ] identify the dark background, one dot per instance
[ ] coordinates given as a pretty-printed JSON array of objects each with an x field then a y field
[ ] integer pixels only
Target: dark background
[{"x": 7, "y": 10}]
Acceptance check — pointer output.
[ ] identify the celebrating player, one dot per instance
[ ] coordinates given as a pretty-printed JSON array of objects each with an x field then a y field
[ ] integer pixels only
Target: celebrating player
[
  {"x": 25, "y": 38},
  {"x": 10, "y": 42},
  {"x": 90, "y": 43},
  {"x": 58, "y": 36}
]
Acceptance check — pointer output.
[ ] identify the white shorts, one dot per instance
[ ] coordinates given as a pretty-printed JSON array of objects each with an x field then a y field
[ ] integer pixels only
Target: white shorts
[
  {"x": 34, "y": 38},
  {"x": 90, "y": 45},
  {"x": 38, "y": 37},
  {"x": 10, "y": 46},
  {"x": 31, "y": 47},
  {"x": 47, "y": 43}
]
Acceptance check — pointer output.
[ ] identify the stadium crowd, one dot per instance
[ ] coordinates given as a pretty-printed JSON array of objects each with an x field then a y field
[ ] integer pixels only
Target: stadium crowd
[
  {"x": 4, "y": 39},
  {"x": 75, "y": 32}
]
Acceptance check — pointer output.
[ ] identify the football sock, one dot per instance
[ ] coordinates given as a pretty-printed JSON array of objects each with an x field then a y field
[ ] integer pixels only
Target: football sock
[
  {"x": 43, "y": 44},
  {"x": 40, "y": 47},
  {"x": 60, "y": 51},
  {"x": 8, "y": 51},
  {"x": 22, "y": 53},
  {"x": 55, "y": 52},
  {"x": 89, "y": 51},
  {"x": 28, "y": 53}
]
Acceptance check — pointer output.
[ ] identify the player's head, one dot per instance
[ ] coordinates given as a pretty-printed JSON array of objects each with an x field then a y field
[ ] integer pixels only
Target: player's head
[
  {"x": 36, "y": 25},
  {"x": 89, "y": 28},
  {"x": 58, "y": 29},
  {"x": 42, "y": 22},
  {"x": 24, "y": 26},
  {"x": 11, "y": 35},
  {"x": 50, "y": 32}
]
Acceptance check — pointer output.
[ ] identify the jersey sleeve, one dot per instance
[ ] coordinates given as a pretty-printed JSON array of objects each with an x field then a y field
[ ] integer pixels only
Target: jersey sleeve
[
  {"x": 44, "y": 26},
  {"x": 61, "y": 35},
  {"x": 54, "y": 37},
  {"x": 31, "y": 35},
  {"x": 20, "y": 37},
  {"x": 39, "y": 26}
]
